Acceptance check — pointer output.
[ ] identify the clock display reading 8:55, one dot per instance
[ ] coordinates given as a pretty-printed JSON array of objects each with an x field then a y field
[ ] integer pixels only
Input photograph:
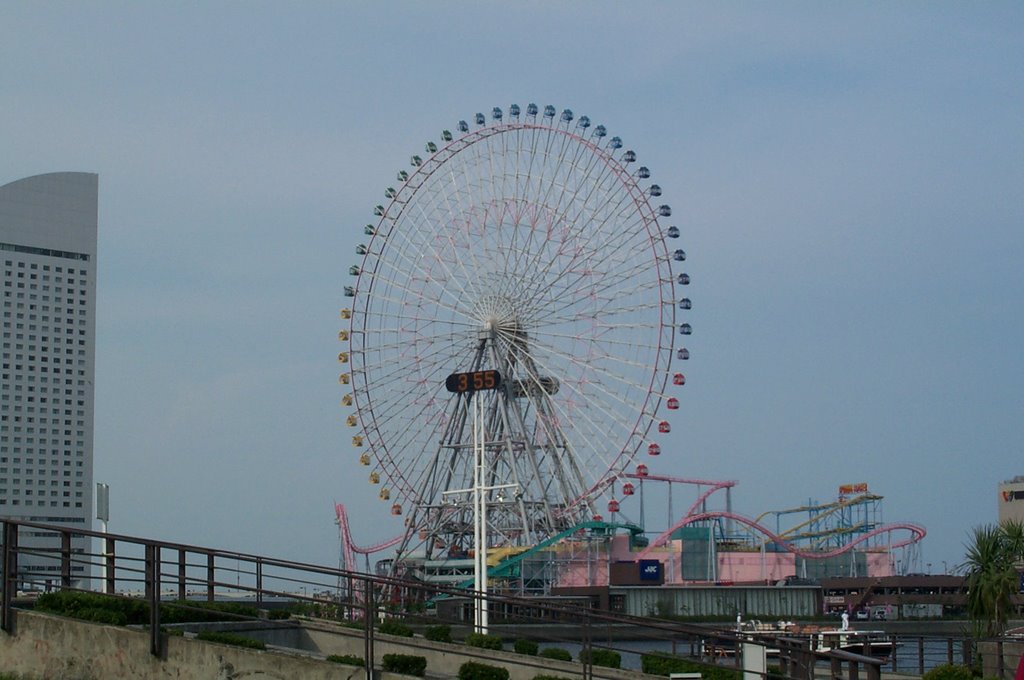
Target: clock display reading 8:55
[{"x": 473, "y": 381}]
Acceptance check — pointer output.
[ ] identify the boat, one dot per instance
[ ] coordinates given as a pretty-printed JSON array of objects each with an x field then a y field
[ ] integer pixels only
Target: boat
[{"x": 873, "y": 643}]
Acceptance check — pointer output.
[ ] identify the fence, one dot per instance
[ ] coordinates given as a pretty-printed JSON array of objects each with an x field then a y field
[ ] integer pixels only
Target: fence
[{"x": 159, "y": 572}]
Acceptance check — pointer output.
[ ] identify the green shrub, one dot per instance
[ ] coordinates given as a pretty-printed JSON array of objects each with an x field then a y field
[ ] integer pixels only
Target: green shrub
[
  {"x": 606, "y": 658},
  {"x": 347, "y": 659},
  {"x": 393, "y": 627},
  {"x": 484, "y": 641},
  {"x": 94, "y": 607},
  {"x": 664, "y": 664},
  {"x": 556, "y": 653},
  {"x": 133, "y": 611},
  {"x": 355, "y": 625},
  {"x": 481, "y": 671},
  {"x": 103, "y": 615},
  {"x": 406, "y": 664},
  {"x": 438, "y": 633},
  {"x": 550, "y": 677},
  {"x": 528, "y": 647},
  {"x": 949, "y": 671},
  {"x": 201, "y": 611},
  {"x": 229, "y": 639}
]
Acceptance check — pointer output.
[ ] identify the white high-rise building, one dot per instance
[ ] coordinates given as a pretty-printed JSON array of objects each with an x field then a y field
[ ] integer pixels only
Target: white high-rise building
[{"x": 48, "y": 256}]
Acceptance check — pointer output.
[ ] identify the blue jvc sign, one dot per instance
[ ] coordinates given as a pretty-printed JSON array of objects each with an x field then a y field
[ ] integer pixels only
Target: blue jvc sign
[{"x": 650, "y": 570}]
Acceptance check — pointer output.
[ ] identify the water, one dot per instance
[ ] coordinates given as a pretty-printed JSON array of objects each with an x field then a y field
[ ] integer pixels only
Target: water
[{"x": 933, "y": 652}]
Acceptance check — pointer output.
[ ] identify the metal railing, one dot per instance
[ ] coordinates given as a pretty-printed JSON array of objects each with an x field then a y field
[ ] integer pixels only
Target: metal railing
[{"x": 162, "y": 572}]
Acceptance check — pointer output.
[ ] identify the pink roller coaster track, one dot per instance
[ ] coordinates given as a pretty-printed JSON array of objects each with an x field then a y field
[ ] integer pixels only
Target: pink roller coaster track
[
  {"x": 349, "y": 549},
  {"x": 916, "y": 533}
]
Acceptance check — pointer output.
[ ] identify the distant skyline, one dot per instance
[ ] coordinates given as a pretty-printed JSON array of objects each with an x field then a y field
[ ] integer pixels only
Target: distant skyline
[{"x": 849, "y": 181}]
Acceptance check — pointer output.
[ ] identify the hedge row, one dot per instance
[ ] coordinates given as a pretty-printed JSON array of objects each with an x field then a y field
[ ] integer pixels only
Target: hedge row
[
  {"x": 605, "y": 658},
  {"x": 949, "y": 671},
  {"x": 122, "y": 611},
  {"x": 483, "y": 641},
  {"x": 392, "y": 627},
  {"x": 556, "y": 653},
  {"x": 438, "y": 633},
  {"x": 527, "y": 647},
  {"x": 347, "y": 659},
  {"x": 665, "y": 664},
  {"x": 229, "y": 639},
  {"x": 407, "y": 664},
  {"x": 481, "y": 671}
]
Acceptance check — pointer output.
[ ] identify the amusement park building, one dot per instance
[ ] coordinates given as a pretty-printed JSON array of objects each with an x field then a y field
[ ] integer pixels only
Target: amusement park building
[
  {"x": 1011, "y": 500},
  {"x": 48, "y": 226}
]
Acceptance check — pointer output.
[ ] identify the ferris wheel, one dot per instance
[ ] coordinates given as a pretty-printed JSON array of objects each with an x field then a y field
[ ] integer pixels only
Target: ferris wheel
[{"x": 533, "y": 248}]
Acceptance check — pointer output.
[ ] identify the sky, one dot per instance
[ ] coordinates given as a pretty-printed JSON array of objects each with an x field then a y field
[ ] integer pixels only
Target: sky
[{"x": 849, "y": 179}]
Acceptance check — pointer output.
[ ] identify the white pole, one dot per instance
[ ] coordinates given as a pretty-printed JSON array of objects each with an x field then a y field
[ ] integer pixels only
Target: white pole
[
  {"x": 478, "y": 567},
  {"x": 103, "y": 515},
  {"x": 483, "y": 524}
]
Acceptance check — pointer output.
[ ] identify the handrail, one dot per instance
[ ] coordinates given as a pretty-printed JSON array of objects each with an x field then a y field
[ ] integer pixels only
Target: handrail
[{"x": 159, "y": 570}]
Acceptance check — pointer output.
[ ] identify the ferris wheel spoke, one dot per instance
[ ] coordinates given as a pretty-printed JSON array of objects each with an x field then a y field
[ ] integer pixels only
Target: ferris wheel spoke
[
  {"x": 411, "y": 267},
  {"x": 595, "y": 365},
  {"x": 571, "y": 274},
  {"x": 585, "y": 366}
]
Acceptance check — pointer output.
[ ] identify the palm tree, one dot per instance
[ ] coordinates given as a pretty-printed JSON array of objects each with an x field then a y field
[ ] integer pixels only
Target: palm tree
[{"x": 991, "y": 564}]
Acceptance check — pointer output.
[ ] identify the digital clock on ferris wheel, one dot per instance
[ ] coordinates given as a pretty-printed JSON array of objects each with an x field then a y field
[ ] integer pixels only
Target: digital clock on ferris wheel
[{"x": 473, "y": 381}]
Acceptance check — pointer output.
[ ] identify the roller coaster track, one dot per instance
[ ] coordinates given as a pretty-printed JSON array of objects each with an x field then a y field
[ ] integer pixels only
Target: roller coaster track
[
  {"x": 714, "y": 486},
  {"x": 828, "y": 508},
  {"x": 505, "y": 566},
  {"x": 916, "y": 534},
  {"x": 349, "y": 549}
]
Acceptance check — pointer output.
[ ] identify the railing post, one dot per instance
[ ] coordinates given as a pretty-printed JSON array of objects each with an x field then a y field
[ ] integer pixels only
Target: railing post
[
  {"x": 10, "y": 575},
  {"x": 65, "y": 558},
  {"x": 588, "y": 649},
  {"x": 152, "y": 570},
  {"x": 182, "y": 574},
  {"x": 920, "y": 656},
  {"x": 259, "y": 581},
  {"x": 368, "y": 628},
  {"x": 109, "y": 557},
  {"x": 835, "y": 667},
  {"x": 949, "y": 650},
  {"x": 1000, "y": 661},
  {"x": 211, "y": 576}
]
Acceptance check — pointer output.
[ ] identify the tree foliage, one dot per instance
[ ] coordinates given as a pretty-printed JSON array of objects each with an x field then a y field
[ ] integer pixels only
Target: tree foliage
[{"x": 991, "y": 564}]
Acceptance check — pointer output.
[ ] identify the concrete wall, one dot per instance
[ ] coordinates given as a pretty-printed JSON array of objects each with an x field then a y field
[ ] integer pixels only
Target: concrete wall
[
  {"x": 442, "y": 659},
  {"x": 58, "y": 648}
]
